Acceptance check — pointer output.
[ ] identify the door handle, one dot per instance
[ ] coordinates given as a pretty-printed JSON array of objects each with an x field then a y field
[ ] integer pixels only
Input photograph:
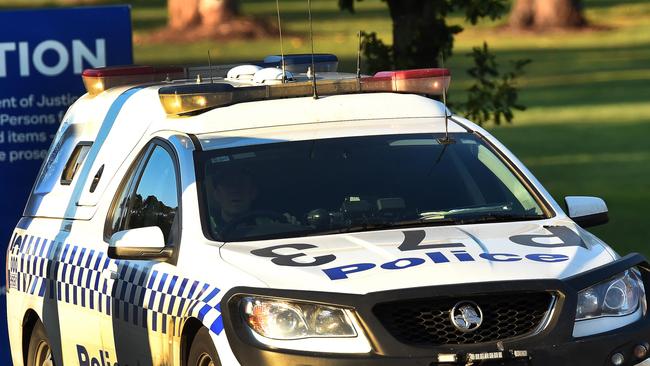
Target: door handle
[{"x": 109, "y": 274}]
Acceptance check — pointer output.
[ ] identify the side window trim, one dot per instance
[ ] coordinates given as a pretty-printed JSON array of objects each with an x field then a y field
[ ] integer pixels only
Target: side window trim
[
  {"x": 132, "y": 179},
  {"x": 126, "y": 185}
]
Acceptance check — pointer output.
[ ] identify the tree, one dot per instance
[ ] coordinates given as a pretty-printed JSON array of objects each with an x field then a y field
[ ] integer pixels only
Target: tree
[
  {"x": 547, "y": 14},
  {"x": 192, "y": 20},
  {"x": 184, "y": 14},
  {"x": 421, "y": 36},
  {"x": 420, "y": 32}
]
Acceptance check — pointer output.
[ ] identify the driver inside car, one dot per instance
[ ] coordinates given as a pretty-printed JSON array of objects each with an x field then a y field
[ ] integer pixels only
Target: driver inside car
[{"x": 234, "y": 192}]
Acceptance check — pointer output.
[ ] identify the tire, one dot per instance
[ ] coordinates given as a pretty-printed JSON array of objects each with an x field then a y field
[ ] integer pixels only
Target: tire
[
  {"x": 39, "y": 352},
  {"x": 202, "y": 351}
]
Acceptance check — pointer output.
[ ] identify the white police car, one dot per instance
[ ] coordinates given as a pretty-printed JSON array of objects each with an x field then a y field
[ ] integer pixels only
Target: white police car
[{"x": 244, "y": 221}]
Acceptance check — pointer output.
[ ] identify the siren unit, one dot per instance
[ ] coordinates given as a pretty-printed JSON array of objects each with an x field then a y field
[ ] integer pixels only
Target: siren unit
[{"x": 262, "y": 81}]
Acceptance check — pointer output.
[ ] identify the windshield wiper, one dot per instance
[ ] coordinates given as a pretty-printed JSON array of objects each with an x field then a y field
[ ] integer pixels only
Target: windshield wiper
[
  {"x": 371, "y": 226},
  {"x": 498, "y": 217},
  {"x": 421, "y": 222},
  {"x": 505, "y": 208},
  {"x": 429, "y": 221}
]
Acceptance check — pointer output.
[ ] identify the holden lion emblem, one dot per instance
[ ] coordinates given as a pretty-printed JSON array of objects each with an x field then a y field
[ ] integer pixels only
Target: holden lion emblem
[{"x": 466, "y": 316}]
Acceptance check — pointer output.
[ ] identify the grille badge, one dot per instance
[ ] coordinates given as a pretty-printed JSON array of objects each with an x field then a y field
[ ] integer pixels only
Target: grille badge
[{"x": 466, "y": 316}]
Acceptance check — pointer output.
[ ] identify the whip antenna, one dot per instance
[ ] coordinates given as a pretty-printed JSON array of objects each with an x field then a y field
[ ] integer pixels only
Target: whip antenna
[
  {"x": 210, "y": 67},
  {"x": 311, "y": 36},
  {"x": 284, "y": 72},
  {"x": 446, "y": 140},
  {"x": 359, "y": 58}
]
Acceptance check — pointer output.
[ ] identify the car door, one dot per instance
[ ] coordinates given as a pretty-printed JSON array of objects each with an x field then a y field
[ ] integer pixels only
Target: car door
[{"x": 139, "y": 327}]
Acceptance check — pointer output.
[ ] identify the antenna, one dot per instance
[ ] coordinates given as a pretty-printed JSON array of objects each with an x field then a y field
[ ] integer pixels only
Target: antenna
[
  {"x": 284, "y": 72},
  {"x": 446, "y": 140},
  {"x": 210, "y": 67},
  {"x": 311, "y": 36},
  {"x": 359, "y": 58}
]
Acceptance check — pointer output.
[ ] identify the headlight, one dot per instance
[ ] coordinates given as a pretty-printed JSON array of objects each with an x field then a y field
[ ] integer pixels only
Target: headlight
[
  {"x": 286, "y": 320},
  {"x": 618, "y": 296}
]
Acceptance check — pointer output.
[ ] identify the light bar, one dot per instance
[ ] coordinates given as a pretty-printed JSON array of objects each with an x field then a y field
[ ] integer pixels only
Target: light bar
[
  {"x": 101, "y": 79},
  {"x": 183, "y": 99},
  {"x": 299, "y": 63},
  {"x": 418, "y": 81}
]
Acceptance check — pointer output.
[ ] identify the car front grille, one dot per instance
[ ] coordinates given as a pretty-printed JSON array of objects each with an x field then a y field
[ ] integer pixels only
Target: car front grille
[{"x": 427, "y": 322}]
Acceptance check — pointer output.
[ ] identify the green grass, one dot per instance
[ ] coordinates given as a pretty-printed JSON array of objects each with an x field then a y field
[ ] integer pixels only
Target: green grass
[{"x": 587, "y": 127}]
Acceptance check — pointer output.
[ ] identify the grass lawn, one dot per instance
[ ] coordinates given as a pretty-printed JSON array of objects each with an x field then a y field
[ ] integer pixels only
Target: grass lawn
[{"x": 587, "y": 127}]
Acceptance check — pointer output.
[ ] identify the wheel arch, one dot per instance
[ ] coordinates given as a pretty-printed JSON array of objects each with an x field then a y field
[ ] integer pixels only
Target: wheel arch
[
  {"x": 190, "y": 329},
  {"x": 29, "y": 321}
]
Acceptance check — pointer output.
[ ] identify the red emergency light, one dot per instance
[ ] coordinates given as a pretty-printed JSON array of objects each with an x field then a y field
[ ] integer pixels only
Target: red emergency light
[{"x": 417, "y": 81}]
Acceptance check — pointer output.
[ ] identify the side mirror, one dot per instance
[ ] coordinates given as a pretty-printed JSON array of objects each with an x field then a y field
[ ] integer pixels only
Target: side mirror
[
  {"x": 587, "y": 211},
  {"x": 141, "y": 243}
]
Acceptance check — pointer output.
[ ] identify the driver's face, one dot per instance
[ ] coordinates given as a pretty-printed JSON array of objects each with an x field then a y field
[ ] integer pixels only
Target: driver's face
[{"x": 235, "y": 193}]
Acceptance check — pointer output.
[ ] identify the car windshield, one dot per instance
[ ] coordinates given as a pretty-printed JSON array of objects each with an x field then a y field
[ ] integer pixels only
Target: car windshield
[{"x": 338, "y": 185}]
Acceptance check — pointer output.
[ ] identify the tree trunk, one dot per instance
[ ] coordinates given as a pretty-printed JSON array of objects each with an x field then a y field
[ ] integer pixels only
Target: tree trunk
[
  {"x": 559, "y": 14},
  {"x": 416, "y": 33},
  {"x": 522, "y": 14},
  {"x": 544, "y": 14},
  {"x": 184, "y": 14},
  {"x": 214, "y": 12}
]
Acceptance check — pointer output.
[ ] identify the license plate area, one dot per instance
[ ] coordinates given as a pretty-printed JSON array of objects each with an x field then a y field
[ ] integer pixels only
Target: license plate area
[{"x": 500, "y": 358}]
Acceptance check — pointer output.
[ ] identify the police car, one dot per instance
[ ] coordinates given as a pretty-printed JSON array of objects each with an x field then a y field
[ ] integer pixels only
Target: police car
[{"x": 262, "y": 215}]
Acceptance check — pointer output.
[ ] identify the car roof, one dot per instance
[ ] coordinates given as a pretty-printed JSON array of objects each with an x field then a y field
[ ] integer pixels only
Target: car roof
[{"x": 309, "y": 111}]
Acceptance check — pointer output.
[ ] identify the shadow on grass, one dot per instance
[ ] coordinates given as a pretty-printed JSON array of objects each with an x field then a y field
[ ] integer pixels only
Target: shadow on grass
[
  {"x": 622, "y": 182},
  {"x": 575, "y": 76},
  {"x": 590, "y": 4}
]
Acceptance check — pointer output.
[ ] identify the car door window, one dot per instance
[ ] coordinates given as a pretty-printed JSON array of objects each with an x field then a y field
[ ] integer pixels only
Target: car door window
[{"x": 150, "y": 196}]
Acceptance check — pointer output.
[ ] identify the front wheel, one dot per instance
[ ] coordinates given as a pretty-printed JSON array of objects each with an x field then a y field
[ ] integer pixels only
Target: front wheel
[
  {"x": 39, "y": 352},
  {"x": 202, "y": 351}
]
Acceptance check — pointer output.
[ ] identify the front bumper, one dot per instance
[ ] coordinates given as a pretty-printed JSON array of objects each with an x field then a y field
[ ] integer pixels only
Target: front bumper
[{"x": 553, "y": 345}]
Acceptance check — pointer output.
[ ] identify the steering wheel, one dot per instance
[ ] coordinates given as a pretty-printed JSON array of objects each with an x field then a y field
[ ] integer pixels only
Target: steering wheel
[{"x": 251, "y": 216}]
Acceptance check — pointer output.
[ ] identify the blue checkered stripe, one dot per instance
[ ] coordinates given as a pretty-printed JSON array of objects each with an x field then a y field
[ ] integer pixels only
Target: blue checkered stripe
[{"x": 142, "y": 297}]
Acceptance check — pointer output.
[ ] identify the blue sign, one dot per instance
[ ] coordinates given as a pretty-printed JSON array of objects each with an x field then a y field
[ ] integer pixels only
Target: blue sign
[{"x": 42, "y": 55}]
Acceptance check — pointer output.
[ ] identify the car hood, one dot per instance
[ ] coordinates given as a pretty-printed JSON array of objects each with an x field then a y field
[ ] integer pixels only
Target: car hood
[{"x": 372, "y": 261}]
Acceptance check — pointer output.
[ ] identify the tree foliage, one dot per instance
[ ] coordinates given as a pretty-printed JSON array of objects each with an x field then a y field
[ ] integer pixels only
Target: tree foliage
[
  {"x": 493, "y": 94},
  {"x": 421, "y": 36}
]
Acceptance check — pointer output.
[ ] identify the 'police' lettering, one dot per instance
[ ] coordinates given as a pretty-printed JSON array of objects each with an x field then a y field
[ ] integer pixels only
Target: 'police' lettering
[
  {"x": 547, "y": 258},
  {"x": 500, "y": 257},
  {"x": 403, "y": 263},
  {"x": 339, "y": 273},
  {"x": 86, "y": 360},
  {"x": 82, "y": 354},
  {"x": 462, "y": 256}
]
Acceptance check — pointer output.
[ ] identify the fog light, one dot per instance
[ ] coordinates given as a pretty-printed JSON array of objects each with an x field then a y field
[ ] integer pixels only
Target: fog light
[
  {"x": 641, "y": 351},
  {"x": 618, "y": 359}
]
